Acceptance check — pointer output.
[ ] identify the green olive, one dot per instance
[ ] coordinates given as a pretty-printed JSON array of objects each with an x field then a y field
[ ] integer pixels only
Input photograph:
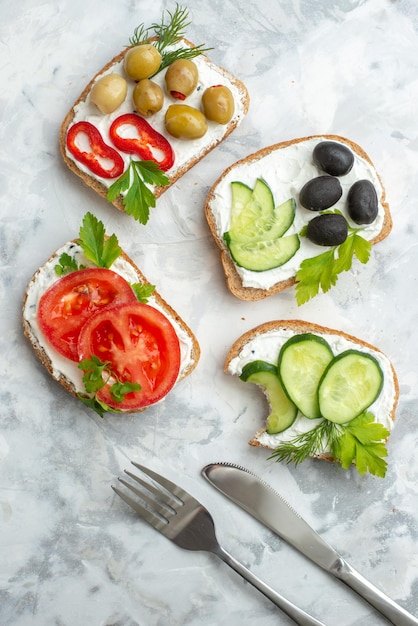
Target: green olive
[
  {"x": 109, "y": 92},
  {"x": 218, "y": 104},
  {"x": 181, "y": 78},
  {"x": 148, "y": 97},
  {"x": 142, "y": 61},
  {"x": 185, "y": 122}
]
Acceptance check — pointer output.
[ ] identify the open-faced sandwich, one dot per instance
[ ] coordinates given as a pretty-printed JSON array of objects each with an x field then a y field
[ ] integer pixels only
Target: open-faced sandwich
[
  {"x": 101, "y": 330},
  {"x": 149, "y": 115},
  {"x": 331, "y": 395},
  {"x": 297, "y": 212}
]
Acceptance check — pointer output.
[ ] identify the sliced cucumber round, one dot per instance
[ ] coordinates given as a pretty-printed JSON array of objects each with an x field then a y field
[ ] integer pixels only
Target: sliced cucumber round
[
  {"x": 250, "y": 211},
  {"x": 302, "y": 362},
  {"x": 350, "y": 384},
  {"x": 255, "y": 367},
  {"x": 283, "y": 411},
  {"x": 241, "y": 194},
  {"x": 263, "y": 196},
  {"x": 260, "y": 256},
  {"x": 254, "y": 216}
]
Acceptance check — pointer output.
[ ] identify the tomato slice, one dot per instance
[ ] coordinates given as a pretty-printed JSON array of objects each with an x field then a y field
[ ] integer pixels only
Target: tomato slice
[
  {"x": 68, "y": 303},
  {"x": 142, "y": 347}
]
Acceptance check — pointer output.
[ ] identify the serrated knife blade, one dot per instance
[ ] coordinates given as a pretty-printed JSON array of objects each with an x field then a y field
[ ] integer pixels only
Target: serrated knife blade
[{"x": 259, "y": 499}]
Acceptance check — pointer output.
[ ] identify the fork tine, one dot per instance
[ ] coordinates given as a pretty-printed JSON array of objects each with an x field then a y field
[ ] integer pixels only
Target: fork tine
[
  {"x": 146, "y": 514},
  {"x": 167, "y": 484},
  {"x": 164, "y": 498},
  {"x": 145, "y": 498}
]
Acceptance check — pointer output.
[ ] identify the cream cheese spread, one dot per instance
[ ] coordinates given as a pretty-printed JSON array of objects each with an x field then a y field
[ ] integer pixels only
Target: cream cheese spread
[
  {"x": 46, "y": 276},
  {"x": 267, "y": 346},
  {"x": 186, "y": 151},
  {"x": 286, "y": 170}
]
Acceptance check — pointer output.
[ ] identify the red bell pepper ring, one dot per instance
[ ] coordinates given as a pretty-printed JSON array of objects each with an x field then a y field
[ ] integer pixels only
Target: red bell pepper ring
[
  {"x": 99, "y": 151},
  {"x": 147, "y": 143}
]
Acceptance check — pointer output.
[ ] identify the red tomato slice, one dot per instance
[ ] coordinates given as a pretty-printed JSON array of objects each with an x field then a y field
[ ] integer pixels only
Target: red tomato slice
[
  {"x": 142, "y": 347},
  {"x": 68, "y": 303}
]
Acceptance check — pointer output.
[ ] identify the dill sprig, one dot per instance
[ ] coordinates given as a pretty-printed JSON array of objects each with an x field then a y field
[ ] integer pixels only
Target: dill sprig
[
  {"x": 175, "y": 30},
  {"x": 309, "y": 444},
  {"x": 166, "y": 34}
]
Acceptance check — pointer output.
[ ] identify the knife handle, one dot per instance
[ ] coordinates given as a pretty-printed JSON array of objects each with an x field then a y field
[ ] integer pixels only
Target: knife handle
[
  {"x": 298, "y": 615},
  {"x": 380, "y": 601}
]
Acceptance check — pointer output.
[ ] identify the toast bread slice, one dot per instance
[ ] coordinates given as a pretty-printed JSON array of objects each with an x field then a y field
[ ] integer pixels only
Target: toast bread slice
[
  {"x": 53, "y": 361},
  {"x": 293, "y": 327},
  {"x": 188, "y": 152},
  {"x": 242, "y": 170}
]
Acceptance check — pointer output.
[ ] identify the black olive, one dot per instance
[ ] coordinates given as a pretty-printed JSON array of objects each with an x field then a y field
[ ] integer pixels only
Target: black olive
[
  {"x": 320, "y": 193},
  {"x": 333, "y": 158},
  {"x": 362, "y": 202},
  {"x": 329, "y": 229}
]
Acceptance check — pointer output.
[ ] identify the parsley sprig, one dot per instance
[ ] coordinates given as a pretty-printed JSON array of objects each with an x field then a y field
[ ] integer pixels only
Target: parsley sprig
[
  {"x": 166, "y": 34},
  {"x": 361, "y": 441},
  {"x": 96, "y": 375},
  {"x": 143, "y": 291},
  {"x": 67, "y": 264},
  {"x": 138, "y": 197},
  {"x": 99, "y": 249},
  {"x": 321, "y": 271},
  {"x": 102, "y": 251}
]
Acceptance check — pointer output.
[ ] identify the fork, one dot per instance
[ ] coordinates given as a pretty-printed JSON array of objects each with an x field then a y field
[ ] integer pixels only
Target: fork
[{"x": 182, "y": 519}]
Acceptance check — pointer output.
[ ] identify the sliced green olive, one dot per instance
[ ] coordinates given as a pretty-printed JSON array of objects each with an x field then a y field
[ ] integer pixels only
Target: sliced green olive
[
  {"x": 148, "y": 97},
  {"x": 181, "y": 78},
  {"x": 142, "y": 61},
  {"x": 109, "y": 92},
  {"x": 218, "y": 104},
  {"x": 185, "y": 122}
]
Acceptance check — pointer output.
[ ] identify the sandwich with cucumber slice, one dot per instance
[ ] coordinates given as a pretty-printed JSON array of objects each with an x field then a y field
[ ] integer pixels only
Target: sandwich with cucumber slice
[
  {"x": 330, "y": 395},
  {"x": 297, "y": 213}
]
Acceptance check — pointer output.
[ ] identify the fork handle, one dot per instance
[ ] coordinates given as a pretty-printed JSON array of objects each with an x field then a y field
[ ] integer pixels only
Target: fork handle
[{"x": 298, "y": 615}]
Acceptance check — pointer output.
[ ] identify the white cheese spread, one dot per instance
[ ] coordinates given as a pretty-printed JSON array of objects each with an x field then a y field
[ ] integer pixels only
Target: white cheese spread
[
  {"x": 267, "y": 346},
  {"x": 46, "y": 276},
  {"x": 286, "y": 170},
  {"x": 185, "y": 150}
]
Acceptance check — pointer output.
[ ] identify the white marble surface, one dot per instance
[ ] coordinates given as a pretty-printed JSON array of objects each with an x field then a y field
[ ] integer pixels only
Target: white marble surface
[{"x": 71, "y": 553}]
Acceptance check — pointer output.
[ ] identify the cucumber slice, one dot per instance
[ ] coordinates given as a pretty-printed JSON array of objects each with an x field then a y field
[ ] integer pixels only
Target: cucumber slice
[
  {"x": 302, "y": 362},
  {"x": 253, "y": 215},
  {"x": 350, "y": 384},
  {"x": 250, "y": 213},
  {"x": 283, "y": 412},
  {"x": 260, "y": 256},
  {"x": 241, "y": 194},
  {"x": 284, "y": 216},
  {"x": 263, "y": 197}
]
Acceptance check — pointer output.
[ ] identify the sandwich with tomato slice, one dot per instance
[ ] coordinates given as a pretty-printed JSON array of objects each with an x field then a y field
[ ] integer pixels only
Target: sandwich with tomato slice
[{"x": 101, "y": 329}]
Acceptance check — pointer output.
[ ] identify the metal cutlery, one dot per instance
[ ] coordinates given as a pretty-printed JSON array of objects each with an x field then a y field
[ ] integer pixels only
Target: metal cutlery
[
  {"x": 182, "y": 519},
  {"x": 269, "y": 507}
]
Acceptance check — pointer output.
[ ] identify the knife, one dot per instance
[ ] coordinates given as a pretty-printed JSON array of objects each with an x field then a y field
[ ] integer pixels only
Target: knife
[{"x": 260, "y": 500}]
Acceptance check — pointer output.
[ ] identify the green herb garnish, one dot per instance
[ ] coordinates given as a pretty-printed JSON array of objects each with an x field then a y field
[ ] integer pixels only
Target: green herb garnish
[
  {"x": 361, "y": 441},
  {"x": 143, "y": 291},
  {"x": 67, "y": 264},
  {"x": 168, "y": 33},
  {"x": 99, "y": 249},
  {"x": 321, "y": 272},
  {"x": 139, "y": 198},
  {"x": 96, "y": 375}
]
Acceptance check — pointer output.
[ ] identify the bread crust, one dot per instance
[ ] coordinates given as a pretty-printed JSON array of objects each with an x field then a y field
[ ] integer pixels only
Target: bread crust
[
  {"x": 31, "y": 334},
  {"x": 175, "y": 172},
  {"x": 298, "y": 327},
  {"x": 233, "y": 278}
]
